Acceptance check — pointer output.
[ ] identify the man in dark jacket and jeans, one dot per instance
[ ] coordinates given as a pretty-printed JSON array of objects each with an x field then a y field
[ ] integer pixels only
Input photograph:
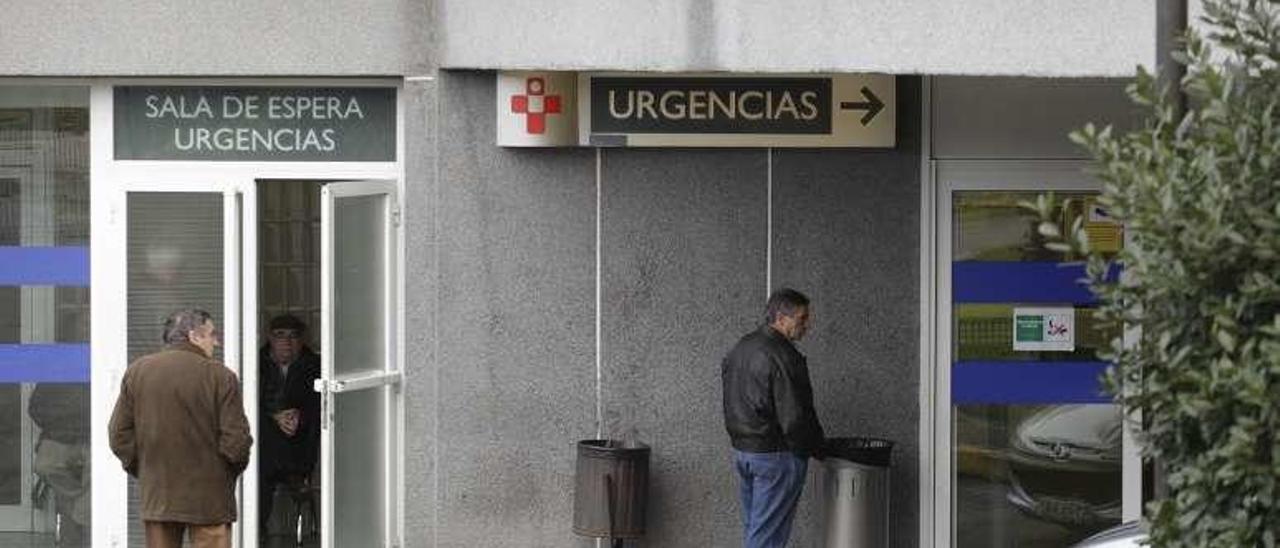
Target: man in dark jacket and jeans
[{"x": 768, "y": 411}]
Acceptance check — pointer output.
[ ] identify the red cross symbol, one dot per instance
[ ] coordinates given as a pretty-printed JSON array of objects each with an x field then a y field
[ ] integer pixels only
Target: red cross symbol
[{"x": 535, "y": 105}]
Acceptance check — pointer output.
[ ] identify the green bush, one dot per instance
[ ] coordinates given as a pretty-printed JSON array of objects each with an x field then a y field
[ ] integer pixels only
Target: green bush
[{"x": 1199, "y": 196}]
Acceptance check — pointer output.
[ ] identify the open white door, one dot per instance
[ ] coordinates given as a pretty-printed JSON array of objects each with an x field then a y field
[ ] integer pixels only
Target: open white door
[{"x": 360, "y": 374}]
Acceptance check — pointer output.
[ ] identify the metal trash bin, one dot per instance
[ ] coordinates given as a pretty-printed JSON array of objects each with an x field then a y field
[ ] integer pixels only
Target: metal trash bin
[
  {"x": 611, "y": 487},
  {"x": 852, "y": 493}
]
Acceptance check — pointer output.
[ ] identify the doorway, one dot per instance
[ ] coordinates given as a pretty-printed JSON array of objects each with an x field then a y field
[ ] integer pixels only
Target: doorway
[
  {"x": 289, "y": 319},
  {"x": 251, "y": 250},
  {"x": 333, "y": 477}
]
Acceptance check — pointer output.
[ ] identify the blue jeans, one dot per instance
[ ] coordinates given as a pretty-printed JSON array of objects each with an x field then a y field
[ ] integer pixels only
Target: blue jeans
[{"x": 770, "y": 486}]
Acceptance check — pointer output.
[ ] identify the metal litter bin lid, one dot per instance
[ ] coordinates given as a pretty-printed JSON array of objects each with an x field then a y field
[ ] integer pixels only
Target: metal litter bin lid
[{"x": 868, "y": 451}]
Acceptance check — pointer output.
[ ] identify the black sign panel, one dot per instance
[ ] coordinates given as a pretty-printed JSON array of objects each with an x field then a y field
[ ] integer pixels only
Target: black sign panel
[
  {"x": 355, "y": 124},
  {"x": 697, "y": 105}
]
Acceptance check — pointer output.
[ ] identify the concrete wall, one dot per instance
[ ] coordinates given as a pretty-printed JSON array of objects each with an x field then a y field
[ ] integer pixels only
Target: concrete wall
[
  {"x": 394, "y": 37},
  {"x": 983, "y": 118},
  {"x": 194, "y": 37},
  {"x": 847, "y": 231},
  {"x": 1083, "y": 38},
  {"x": 508, "y": 360}
]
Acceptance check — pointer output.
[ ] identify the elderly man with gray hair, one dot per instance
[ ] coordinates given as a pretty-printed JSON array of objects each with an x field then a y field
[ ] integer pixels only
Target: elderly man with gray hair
[
  {"x": 768, "y": 412},
  {"x": 179, "y": 427}
]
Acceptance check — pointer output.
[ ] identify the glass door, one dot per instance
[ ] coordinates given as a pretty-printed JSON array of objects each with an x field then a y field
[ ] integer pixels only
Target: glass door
[
  {"x": 45, "y": 423},
  {"x": 182, "y": 250},
  {"x": 1034, "y": 449},
  {"x": 360, "y": 374}
]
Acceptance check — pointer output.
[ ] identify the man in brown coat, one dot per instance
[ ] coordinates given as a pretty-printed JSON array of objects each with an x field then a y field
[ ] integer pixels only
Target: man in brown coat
[{"x": 179, "y": 427}]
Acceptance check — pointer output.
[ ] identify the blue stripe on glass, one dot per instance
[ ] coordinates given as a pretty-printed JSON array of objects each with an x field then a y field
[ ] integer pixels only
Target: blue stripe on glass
[
  {"x": 65, "y": 266},
  {"x": 1028, "y": 382},
  {"x": 67, "y": 362},
  {"x": 1021, "y": 282}
]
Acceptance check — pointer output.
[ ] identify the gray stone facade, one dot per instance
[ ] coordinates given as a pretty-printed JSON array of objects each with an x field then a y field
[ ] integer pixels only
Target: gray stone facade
[{"x": 503, "y": 379}]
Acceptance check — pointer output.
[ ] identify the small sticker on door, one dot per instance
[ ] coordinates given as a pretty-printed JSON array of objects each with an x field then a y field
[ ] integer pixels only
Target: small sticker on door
[{"x": 1044, "y": 329}]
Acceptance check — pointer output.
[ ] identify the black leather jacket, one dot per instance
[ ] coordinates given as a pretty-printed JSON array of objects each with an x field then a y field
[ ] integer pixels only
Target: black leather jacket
[
  {"x": 275, "y": 392},
  {"x": 768, "y": 401}
]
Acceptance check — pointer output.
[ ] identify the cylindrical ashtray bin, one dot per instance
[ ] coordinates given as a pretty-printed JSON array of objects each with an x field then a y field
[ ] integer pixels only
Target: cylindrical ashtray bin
[
  {"x": 611, "y": 486},
  {"x": 852, "y": 493}
]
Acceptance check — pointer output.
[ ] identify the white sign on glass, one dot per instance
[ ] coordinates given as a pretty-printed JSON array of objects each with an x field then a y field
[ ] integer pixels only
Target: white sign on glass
[{"x": 1044, "y": 329}]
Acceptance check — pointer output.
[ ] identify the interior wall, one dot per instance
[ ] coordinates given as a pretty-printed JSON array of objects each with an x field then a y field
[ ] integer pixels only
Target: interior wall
[
  {"x": 509, "y": 355},
  {"x": 289, "y": 255}
]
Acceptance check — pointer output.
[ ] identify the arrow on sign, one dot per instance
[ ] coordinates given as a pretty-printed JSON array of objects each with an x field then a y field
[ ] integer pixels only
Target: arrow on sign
[{"x": 873, "y": 105}]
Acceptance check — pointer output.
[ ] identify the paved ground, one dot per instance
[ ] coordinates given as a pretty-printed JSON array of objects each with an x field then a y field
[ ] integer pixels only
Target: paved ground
[
  {"x": 26, "y": 540},
  {"x": 35, "y": 540}
]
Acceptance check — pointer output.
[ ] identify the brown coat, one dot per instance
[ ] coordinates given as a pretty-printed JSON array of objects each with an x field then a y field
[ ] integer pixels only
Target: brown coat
[{"x": 179, "y": 427}]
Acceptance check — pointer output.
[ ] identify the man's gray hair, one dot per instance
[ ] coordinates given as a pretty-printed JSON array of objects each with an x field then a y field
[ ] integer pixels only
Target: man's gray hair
[
  {"x": 179, "y": 325},
  {"x": 784, "y": 302}
]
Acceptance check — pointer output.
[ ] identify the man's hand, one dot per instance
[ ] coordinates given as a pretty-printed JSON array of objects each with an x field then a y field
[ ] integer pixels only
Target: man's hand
[{"x": 287, "y": 421}]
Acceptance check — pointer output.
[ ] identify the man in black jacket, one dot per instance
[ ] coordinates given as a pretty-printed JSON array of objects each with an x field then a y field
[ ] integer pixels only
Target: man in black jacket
[
  {"x": 768, "y": 411},
  {"x": 290, "y": 411}
]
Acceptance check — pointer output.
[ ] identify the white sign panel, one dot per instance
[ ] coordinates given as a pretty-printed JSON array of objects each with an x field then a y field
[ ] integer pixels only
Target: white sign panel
[
  {"x": 537, "y": 109},
  {"x": 729, "y": 110},
  {"x": 1044, "y": 329}
]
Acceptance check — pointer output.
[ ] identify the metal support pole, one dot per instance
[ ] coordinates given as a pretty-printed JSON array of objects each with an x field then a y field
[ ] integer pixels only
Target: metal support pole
[{"x": 1171, "y": 27}]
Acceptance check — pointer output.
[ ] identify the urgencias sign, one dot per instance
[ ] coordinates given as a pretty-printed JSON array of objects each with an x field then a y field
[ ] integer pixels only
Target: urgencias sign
[
  {"x": 255, "y": 123},
  {"x": 711, "y": 105},
  {"x": 808, "y": 111}
]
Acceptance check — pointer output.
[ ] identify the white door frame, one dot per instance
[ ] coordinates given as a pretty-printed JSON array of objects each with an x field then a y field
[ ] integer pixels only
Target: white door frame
[
  {"x": 111, "y": 179},
  {"x": 947, "y": 177},
  {"x": 232, "y": 345}
]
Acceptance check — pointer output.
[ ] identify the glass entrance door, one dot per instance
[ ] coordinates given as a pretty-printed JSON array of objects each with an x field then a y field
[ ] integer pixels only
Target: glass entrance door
[
  {"x": 182, "y": 250},
  {"x": 360, "y": 374},
  {"x": 1034, "y": 447}
]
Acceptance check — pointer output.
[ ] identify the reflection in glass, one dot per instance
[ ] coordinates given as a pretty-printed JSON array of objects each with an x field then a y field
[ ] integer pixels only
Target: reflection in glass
[
  {"x": 11, "y": 445},
  {"x": 1026, "y": 475},
  {"x": 1035, "y": 475},
  {"x": 985, "y": 332},
  {"x": 44, "y": 203},
  {"x": 991, "y": 226}
]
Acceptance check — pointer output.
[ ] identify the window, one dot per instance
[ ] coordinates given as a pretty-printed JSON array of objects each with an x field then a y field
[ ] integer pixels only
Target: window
[{"x": 44, "y": 313}]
